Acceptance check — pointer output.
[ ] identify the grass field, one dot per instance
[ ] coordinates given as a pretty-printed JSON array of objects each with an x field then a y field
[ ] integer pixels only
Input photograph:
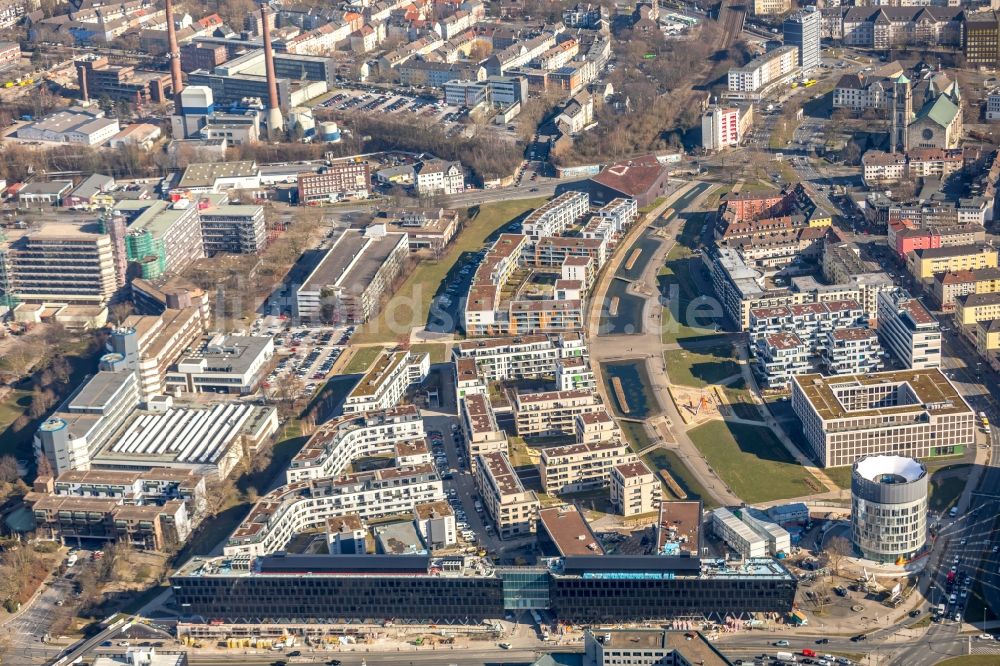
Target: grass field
[
  {"x": 742, "y": 402},
  {"x": 362, "y": 359},
  {"x": 677, "y": 284},
  {"x": 636, "y": 435},
  {"x": 752, "y": 461},
  {"x": 423, "y": 282},
  {"x": 944, "y": 492},
  {"x": 439, "y": 351},
  {"x": 840, "y": 475},
  {"x": 701, "y": 368},
  {"x": 670, "y": 461}
]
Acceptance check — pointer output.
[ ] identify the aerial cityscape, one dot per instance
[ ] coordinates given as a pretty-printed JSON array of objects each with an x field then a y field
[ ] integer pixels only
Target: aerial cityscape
[{"x": 499, "y": 332}]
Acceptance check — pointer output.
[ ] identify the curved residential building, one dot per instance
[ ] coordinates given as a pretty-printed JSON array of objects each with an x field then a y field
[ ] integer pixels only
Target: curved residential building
[{"x": 889, "y": 507}]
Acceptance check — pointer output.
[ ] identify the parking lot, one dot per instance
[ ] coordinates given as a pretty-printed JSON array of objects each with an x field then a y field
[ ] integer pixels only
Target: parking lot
[
  {"x": 384, "y": 102},
  {"x": 305, "y": 353}
]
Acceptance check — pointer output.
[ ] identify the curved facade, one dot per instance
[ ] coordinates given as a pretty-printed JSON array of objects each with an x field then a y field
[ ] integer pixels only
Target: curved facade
[{"x": 889, "y": 507}]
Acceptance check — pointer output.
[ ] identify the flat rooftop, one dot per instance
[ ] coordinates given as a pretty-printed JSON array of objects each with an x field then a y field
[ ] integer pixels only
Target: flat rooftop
[
  {"x": 204, "y": 174},
  {"x": 934, "y": 393},
  {"x": 694, "y": 648},
  {"x": 353, "y": 260},
  {"x": 569, "y": 531},
  {"x": 679, "y": 523}
]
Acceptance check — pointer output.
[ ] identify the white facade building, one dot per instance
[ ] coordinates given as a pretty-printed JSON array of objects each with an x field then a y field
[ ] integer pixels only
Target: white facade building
[{"x": 908, "y": 330}]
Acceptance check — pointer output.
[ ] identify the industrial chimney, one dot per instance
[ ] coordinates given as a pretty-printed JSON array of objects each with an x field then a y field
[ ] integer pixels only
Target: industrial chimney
[
  {"x": 177, "y": 83},
  {"x": 274, "y": 120}
]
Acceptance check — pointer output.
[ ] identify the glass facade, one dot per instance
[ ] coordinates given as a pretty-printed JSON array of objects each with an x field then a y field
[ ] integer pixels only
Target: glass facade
[{"x": 525, "y": 589}]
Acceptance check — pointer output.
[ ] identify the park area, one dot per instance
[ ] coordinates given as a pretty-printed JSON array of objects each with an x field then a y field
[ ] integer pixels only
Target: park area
[
  {"x": 753, "y": 462},
  {"x": 698, "y": 369}
]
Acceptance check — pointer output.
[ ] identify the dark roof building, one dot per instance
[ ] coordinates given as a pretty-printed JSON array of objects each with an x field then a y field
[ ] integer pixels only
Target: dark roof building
[{"x": 642, "y": 178}]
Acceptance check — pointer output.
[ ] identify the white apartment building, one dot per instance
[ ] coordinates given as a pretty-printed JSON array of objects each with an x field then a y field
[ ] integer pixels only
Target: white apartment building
[
  {"x": 737, "y": 535},
  {"x": 337, "y": 443},
  {"x": 479, "y": 425},
  {"x": 521, "y": 357},
  {"x": 468, "y": 381},
  {"x": 439, "y": 177},
  {"x": 720, "y": 128},
  {"x": 552, "y": 412},
  {"x": 621, "y": 213},
  {"x": 634, "y": 489},
  {"x": 481, "y": 316},
  {"x": 513, "y": 509},
  {"x": 763, "y": 70},
  {"x": 852, "y": 351},
  {"x": 306, "y": 505},
  {"x": 574, "y": 372},
  {"x": 810, "y": 321},
  {"x": 913, "y": 413},
  {"x": 556, "y": 216},
  {"x": 993, "y": 105},
  {"x": 384, "y": 385},
  {"x": 597, "y": 426},
  {"x": 780, "y": 356},
  {"x": 908, "y": 330},
  {"x": 435, "y": 522},
  {"x": 576, "y": 467}
]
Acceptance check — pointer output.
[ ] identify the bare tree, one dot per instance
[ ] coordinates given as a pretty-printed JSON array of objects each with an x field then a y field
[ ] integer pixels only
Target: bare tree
[{"x": 838, "y": 548}]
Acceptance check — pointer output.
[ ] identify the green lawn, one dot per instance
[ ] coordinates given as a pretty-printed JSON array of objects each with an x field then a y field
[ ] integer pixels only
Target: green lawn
[
  {"x": 423, "y": 282},
  {"x": 742, "y": 402},
  {"x": 518, "y": 451},
  {"x": 636, "y": 435},
  {"x": 752, "y": 461},
  {"x": 945, "y": 492},
  {"x": 670, "y": 461},
  {"x": 362, "y": 359},
  {"x": 439, "y": 351},
  {"x": 701, "y": 368},
  {"x": 677, "y": 283},
  {"x": 840, "y": 475}
]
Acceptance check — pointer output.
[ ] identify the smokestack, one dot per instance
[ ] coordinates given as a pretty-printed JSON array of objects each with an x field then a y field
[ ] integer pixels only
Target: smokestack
[
  {"x": 274, "y": 120},
  {"x": 81, "y": 75},
  {"x": 177, "y": 83}
]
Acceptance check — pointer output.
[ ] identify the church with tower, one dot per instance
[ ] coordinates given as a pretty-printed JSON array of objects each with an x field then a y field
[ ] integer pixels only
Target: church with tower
[{"x": 938, "y": 122}]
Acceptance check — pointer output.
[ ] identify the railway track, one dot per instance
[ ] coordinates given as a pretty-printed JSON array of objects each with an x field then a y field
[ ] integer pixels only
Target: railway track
[{"x": 732, "y": 17}]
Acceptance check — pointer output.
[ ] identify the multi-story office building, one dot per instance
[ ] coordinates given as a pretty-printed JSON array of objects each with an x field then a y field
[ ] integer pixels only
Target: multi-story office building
[
  {"x": 635, "y": 489},
  {"x": 981, "y": 38},
  {"x": 917, "y": 413},
  {"x": 851, "y": 351},
  {"x": 577, "y": 467},
  {"x": 552, "y": 412},
  {"x": 770, "y": 7},
  {"x": 384, "y": 385},
  {"x": 889, "y": 507},
  {"x": 234, "y": 364},
  {"x": 908, "y": 330},
  {"x": 924, "y": 263},
  {"x": 512, "y": 508},
  {"x": 479, "y": 425},
  {"x": 556, "y": 216},
  {"x": 803, "y": 30},
  {"x": 236, "y": 229},
  {"x": 161, "y": 237},
  {"x": 155, "y": 342},
  {"x": 948, "y": 287},
  {"x": 579, "y": 589},
  {"x": 332, "y": 448},
  {"x": 62, "y": 263},
  {"x": 779, "y": 356},
  {"x": 348, "y": 283},
  {"x": 296, "y": 507},
  {"x": 146, "y": 527},
  {"x": 152, "y": 486},
  {"x": 340, "y": 180},
  {"x": 90, "y": 416},
  {"x": 563, "y": 531}
]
